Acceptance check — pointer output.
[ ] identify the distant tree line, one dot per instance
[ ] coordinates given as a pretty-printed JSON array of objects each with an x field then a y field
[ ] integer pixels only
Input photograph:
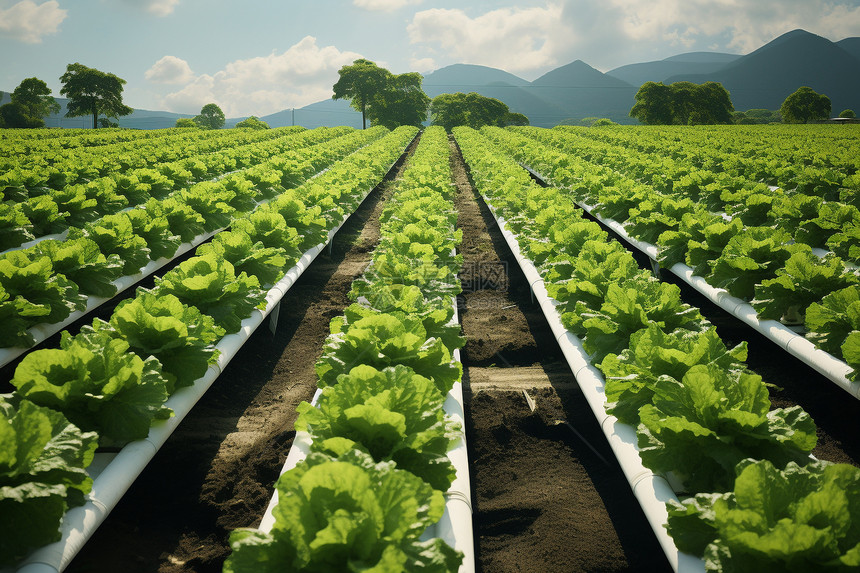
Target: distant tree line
[
  {"x": 686, "y": 103},
  {"x": 393, "y": 100}
]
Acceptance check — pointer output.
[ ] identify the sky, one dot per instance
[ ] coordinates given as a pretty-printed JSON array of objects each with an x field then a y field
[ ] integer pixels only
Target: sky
[{"x": 254, "y": 57}]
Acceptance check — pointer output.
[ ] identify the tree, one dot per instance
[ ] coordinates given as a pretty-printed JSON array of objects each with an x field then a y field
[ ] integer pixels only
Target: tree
[
  {"x": 805, "y": 105},
  {"x": 516, "y": 119},
  {"x": 252, "y": 122},
  {"x": 400, "y": 101},
  {"x": 35, "y": 96},
  {"x": 185, "y": 122},
  {"x": 682, "y": 103},
  {"x": 15, "y": 115},
  {"x": 848, "y": 114},
  {"x": 472, "y": 109},
  {"x": 91, "y": 91},
  {"x": 360, "y": 83},
  {"x": 211, "y": 117}
]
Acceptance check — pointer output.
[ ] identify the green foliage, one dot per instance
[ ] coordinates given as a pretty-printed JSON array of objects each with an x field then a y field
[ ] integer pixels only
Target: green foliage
[
  {"x": 847, "y": 113},
  {"x": 798, "y": 519},
  {"x": 210, "y": 117},
  {"x": 92, "y": 92},
  {"x": 178, "y": 335},
  {"x": 830, "y": 321},
  {"x": 33, "y": 98},
  {"x": 360, "y": 83},
  {"x": 805, "y": 105},
  {"x": 43, "y": 460},
  {"x": 394, "y": 414},
  {"x": 702, "y": 426},
  {"x": 471, "y": 109},
  {"x": 186, "y": 122},
  {"x": 384, "y": 98},
  {"x": 346, "y": 513},
  {"x": 252, "y": 122},
  {"x": 682, "y": 103},
  {"x": 210, "y": 283},
  {"x": 101, "y": 387},
  {"x": 756, "y": 116}
]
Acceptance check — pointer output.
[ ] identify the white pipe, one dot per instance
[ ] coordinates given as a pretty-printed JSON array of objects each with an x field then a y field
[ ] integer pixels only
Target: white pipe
[
  {"x": 652, "y": 491},
  {"x": 114, "y": 478}
]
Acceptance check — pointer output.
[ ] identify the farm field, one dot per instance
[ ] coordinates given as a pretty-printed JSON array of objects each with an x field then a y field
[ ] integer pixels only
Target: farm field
[{"x": 547, "y": 491}]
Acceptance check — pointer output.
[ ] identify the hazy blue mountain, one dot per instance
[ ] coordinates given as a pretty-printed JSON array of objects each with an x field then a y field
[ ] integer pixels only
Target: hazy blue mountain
[
  {"x": 765, "y": 77},
  {"x": 460, "y": 75},
  {"x": 326, "y": 112},
  {"x": 850, "y": 45},
  {"x": 657, "y": 71}
]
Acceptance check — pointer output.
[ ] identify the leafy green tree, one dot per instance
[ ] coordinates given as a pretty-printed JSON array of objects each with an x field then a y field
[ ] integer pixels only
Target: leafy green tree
[
  {"x": 514, "y": 118},
  {"x": 654, "y": 105},
  {"x": 15, "y": 115},
  {"x": 92, "y": 92},
  {"x": 401, "y": 101},
  {"x": 252, "y": 122},
  {"x": 805, "y": 105},
  {"x": 471, "y": 109},
  {"x": 35, "y": 96},
  {"x": 848, "y": 113},
  {"x": 360, "y": 83},
  {"x": 185, "y": 122},
  {"x": 682, "y": 103},
  {"x": 211, "y": 117}
]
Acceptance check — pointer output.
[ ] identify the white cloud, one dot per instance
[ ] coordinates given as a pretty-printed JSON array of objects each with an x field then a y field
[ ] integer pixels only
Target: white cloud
[
  {"x": 423, "y": 64},
  {"x": 161, "y": 8},
  {"x": 27, "y": 21},
  {"x": 170, "y": 70},
  {"x": 508, "y": 38},
  {"x": 303, "y": 74},
  {"x": 384, "y": 5},
  {"x": 745, "y": 24}
]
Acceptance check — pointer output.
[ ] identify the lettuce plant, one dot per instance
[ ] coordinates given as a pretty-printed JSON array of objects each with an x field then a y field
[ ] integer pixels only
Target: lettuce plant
[
  {"x": 210, "y": 283},
  {"x": 393, "y": 413},
  {"x": 701, "y": 426},
  {"x": 798, "y": 519},
  {"x": 107, "y": 388},
  {"x": 43, "y": 460},
  {"x": 81, "y": 261},
  {"x": 346, "y": 513}
]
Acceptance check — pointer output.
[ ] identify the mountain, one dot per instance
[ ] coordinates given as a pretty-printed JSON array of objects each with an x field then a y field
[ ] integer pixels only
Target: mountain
[
  {"x": 657, "y": 71},
  {"x": 583, "y": 91},
  {"x": 321, "y": 113},
  {"x": 765, "y": 77},
  {"x": 850, "y": 45}
]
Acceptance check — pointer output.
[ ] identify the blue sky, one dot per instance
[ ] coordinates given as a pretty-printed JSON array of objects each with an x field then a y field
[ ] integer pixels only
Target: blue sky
[{"x": 255, "y": 57}]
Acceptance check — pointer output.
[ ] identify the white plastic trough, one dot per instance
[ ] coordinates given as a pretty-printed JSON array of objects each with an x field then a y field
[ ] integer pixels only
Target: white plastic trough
[
  {"x": 113, "y": 473},
  {"x": 650, "y": 489}
]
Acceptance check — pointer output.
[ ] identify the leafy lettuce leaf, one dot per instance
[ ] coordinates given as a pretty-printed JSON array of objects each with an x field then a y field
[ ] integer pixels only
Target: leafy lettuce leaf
[
  {"x": 43, "y": 460},
  {"x": 394, "y": 414},
  {"x": 346, "y": 514},
  {"x": 798, "y": 519}
]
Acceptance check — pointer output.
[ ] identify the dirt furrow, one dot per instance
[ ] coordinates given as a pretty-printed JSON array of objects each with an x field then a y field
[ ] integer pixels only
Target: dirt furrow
[{"x": 548, "y": 496}]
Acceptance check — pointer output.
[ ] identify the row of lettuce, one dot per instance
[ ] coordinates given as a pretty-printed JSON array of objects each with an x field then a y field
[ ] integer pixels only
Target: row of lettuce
[
  {"x": 754, "y": 499},
  {"x": 375, "y": 477},
  {"x": 759, "y": 246},
  {"x": 48, "y": 199},
  {"x": 44, "y": 283},
  {"x": 109, "y": 383},
  {"x": 34, "y": 165}
]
